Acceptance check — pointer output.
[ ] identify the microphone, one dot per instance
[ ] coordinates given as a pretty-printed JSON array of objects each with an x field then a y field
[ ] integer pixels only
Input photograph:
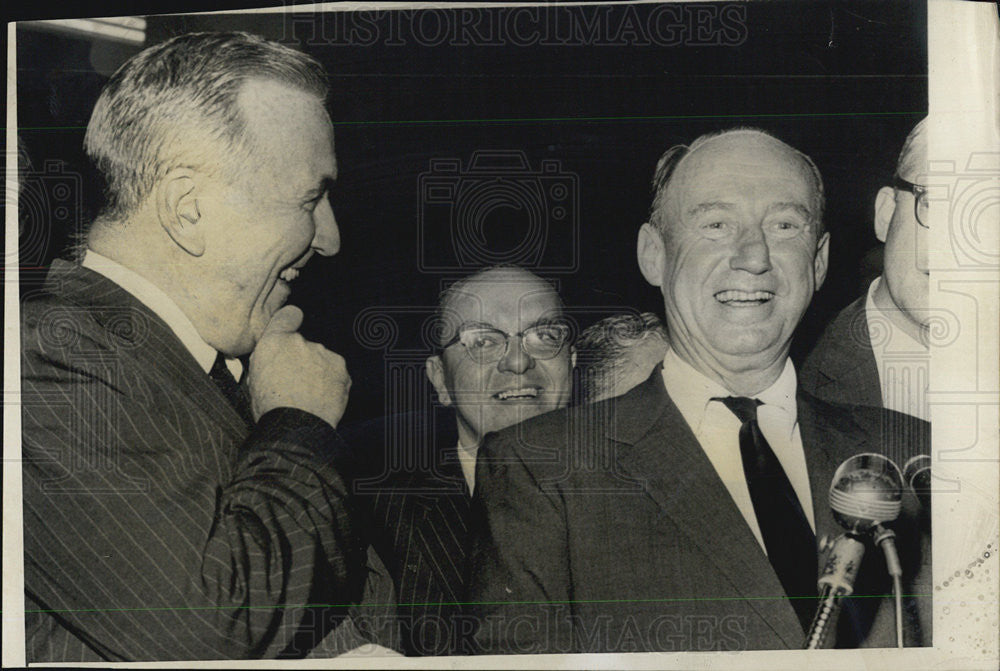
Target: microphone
[
  {"x": 917, "y": 475},
  {"x": 866, "y": 492}
]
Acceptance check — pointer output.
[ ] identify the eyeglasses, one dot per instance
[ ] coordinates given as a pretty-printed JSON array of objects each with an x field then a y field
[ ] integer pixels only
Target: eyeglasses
[
  {"x": 486, "y": 345},
  {"x": 920, "y": 203}
]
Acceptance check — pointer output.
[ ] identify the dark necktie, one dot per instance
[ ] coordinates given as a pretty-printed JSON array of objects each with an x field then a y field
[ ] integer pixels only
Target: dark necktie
[
  {"x": 790, "y": 541},
  {"x": 231, "y": 389}
]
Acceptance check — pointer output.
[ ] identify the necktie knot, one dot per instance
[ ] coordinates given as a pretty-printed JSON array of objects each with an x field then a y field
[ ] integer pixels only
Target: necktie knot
[
  {"x": 743, "y": 407},
  {"x": 230, "y": 388},
  {"x": 220, "y": 371}
]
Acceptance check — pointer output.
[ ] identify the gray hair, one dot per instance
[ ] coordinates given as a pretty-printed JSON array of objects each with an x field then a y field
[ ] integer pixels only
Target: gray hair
[
  {"x": 604, "y": 346},
  {"x": 667, "y": 166},
  {"x": 184, "y": 87}
]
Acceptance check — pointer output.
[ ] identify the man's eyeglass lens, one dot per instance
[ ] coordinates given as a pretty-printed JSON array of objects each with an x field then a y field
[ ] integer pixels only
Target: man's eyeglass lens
[
  {"x": 490, "y": 345},
  {"x": 920, "y": 202}
]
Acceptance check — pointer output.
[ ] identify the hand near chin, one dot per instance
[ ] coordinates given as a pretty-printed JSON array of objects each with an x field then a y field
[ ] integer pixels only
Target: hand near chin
[{"x": 288, "y": 371}]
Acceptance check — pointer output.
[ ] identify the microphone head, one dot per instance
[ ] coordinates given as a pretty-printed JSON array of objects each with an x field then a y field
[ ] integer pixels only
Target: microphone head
[
  {"x": 866, "y": 492},
  {"x": 917, "y": 475}
]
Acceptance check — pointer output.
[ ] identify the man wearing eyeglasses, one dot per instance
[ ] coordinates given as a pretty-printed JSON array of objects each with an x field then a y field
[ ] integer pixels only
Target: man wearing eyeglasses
[
  {"x": 875, "y": 352},
  {"x": 503, "y": 356}
]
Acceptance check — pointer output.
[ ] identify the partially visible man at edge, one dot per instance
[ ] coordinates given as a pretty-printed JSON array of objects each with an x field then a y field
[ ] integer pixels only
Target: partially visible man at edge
[
  {"x": 171, "y": 512},
  {"x": 845, "y": 365},
  {"x": 503, "y": 356}
]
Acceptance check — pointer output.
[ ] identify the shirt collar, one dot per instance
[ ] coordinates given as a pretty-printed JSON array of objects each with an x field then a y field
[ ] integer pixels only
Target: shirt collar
[
  {"x": 902, "y": 340},
  {"x": 467, "y": 460},
  {"x": 781, "y": 394},
  {"x": 165, "y": 308},
  {"x": 691, "y": 391}
]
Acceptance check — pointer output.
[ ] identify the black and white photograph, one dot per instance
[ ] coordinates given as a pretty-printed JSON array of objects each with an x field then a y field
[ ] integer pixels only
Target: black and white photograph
[{"x": 464, "y": 335}]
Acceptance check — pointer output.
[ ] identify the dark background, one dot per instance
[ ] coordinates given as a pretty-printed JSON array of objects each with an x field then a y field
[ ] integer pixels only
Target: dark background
[{"x": 843, "y": 82}]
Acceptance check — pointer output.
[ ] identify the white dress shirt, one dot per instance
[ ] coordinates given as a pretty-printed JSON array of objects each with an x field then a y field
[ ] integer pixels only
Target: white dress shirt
[
  {"x": 717, "y": 430},
  {"x": 467, "y": 460},
  {"x": 903, "y": 363},
  {"x": 166, "y": 309}
]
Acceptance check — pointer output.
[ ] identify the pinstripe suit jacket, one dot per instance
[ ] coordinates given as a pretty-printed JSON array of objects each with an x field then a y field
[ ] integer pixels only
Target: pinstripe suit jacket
[
  {"x": 157, "y": 524},
  {"x": 605, "y": 528},
  {"x": 419, "y": 526}
]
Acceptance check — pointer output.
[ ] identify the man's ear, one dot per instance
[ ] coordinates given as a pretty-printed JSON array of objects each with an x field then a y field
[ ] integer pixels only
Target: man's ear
[
  {"x": 821, "y": 261},
  {"x": 649, "y": 252},
  {"x": 885, "y": 207},
  {"x": 177, "y": 208},
  {"x": 434, "y": 368}
]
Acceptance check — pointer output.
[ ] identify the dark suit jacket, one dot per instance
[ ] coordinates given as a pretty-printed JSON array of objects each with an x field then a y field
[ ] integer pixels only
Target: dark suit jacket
[
  {"x": 841, "y": 367},
  {"x": 605, "y": 528},
  {"x": 418, "y": 507},
  {"x": 158, "y": 525}
]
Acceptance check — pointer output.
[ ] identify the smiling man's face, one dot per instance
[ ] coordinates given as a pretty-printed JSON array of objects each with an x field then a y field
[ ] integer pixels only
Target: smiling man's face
[
  {"x": 492, "y": 396},
  {"x": 737, "y": 255},
  {"x": 265, "y": 228}
]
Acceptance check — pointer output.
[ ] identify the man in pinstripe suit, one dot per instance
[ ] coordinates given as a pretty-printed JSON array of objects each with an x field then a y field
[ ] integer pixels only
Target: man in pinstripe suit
[
  {"x": 171, "y": 512},
  {"x": 504, "y": 357}
]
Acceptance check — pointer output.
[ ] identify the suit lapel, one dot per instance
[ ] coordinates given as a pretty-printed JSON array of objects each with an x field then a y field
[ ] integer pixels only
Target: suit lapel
[
  {"x": 664, "y": 454},
  {"x": 829, "y": 437},
  {"x": 441, "y": 522},
  {"x": 134, "y": 330},
  {"x": 849, "y": 361}
]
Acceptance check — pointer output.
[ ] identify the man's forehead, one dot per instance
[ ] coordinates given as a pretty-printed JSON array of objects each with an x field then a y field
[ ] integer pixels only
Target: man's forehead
[
  {"x": 739, "y": 151},
  {"x": 503, "y": 299},
  {"x": 292, "y": 127},
  {"x": 741, "y": 164},
  {"x": 279, "y": 111},
  {"x": 913, "y": 166},
  {"x": 272, "y": 99},
  {"x": 506, "y": 299}
]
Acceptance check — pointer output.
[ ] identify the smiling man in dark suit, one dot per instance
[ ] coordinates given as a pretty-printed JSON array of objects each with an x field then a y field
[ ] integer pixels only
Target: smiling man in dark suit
[
  {"x": 503, "y": 356},
  {"x": 170, "y": 511},
  {"x": 684, "y": 514}
]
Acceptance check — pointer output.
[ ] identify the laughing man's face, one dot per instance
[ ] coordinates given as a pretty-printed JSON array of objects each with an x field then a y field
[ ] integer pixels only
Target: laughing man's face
[
  {"x": 740, "y": 254},
  {"x": 263, "y": 230}
]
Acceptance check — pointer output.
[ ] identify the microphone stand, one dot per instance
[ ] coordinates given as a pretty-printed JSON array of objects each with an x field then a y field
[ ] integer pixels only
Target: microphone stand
[
  {"x": 837, "y": 581},
  {"x": 865, "y": 493},
  {"x": 886, "y": 539}
]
